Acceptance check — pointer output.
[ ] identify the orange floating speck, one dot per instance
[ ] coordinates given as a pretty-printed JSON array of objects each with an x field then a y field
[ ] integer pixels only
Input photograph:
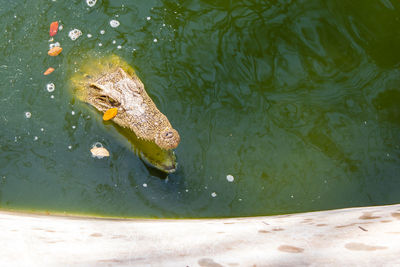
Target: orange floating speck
[
  {"x": 110, "y": 113},
  {"x": 53, "y": 28},
  {"x": 55, "y": 51},
  {"x": 48, "y": 71}
]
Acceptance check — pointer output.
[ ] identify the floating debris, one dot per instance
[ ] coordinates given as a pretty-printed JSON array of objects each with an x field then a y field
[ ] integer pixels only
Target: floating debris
[
  {"x": 55, "y": 51},
  {"x": 50, "y": 87},
  {"x": 230, "y": 178},
  {"x": 60, "y": 27},
  {"x": 98, "y": 151},
  {"x": 28, "y": 114},
  {"x": 53, "y": 28},
  {"x": 48, "y": 71},
  {"x": 213, "y": 194},
  {"x": 74, "y": 34},
  {"x": 110, "y": 113},
  {"x": 91, "y": 3},
  {"x": 114, "y": 23}
]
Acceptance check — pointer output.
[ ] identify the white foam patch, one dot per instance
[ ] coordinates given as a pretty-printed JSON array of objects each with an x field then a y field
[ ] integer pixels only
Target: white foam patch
[
  {"x": 50, "y": 87},
  {"x": 91, "y": 3},
  {"x": 54, "y": 45},
  {"x": 74, "y": 34},
  {"x": 114, "y": 23}
]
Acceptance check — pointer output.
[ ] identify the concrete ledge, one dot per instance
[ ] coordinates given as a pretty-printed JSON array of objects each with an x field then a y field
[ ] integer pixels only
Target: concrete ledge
[{"x": 356, "y": 236}]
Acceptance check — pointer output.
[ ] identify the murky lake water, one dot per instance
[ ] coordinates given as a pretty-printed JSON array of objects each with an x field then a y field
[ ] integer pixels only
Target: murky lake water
[{"x": 298, "y": 100}]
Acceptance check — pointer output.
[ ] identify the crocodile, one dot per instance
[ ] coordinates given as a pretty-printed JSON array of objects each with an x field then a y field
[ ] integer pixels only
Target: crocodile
[{"x": 110, "y": 82}]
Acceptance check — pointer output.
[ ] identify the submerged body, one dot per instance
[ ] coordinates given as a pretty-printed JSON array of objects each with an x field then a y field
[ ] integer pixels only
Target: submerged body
[{"x": 109, "y": 83}]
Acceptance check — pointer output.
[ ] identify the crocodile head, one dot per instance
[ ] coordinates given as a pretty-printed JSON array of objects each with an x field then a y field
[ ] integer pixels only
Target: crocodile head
[
  {"x": 107, "y": 83},
  {"x": 136, "y": 110}
]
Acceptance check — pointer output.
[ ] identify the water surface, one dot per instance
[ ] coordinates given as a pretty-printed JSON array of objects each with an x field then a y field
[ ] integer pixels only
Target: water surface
[{"x": 297, "y": 100}]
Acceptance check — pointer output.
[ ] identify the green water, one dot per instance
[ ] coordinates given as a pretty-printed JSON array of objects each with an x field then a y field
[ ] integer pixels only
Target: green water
[{"x": 298, "y": 100}]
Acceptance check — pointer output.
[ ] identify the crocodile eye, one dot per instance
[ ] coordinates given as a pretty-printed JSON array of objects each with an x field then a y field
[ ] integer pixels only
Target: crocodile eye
[{"x": 168, "y": 135}]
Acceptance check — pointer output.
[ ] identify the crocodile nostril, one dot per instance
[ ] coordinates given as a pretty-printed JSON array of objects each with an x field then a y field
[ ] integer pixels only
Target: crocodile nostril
[{"x": 168, "y": 134}]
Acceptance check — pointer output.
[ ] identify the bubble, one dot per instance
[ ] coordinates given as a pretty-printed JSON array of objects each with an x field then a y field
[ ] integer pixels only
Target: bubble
[
  {"x": 213, "y": 194},
  {"x": 69, "y": 147},
  {"x": 73, "y": 113},
  {"x": 74, "y": 34},
  {"x": 89, "y": 35},
  {"x": 148, "y": 18},
  {"x": 73, "y": 126},
  {"x": 100, "y": 44},
  {"x": 144, "y": 185},
  {"x": 119, "y": 47},
  {"x": 50, "y": 87},
  {"x": 230, "y": 178},
  {"x": 54, "y": 45},
  {"x": 35, "y": 138},
  {"x": 91, "y": 3},
  {"x": 97, "y": 144},
  {"x": 60, "y": 27},
  {"x": 102, "y": 32},
  {"x": 52, "y": 96},
  {"x": 28, "y": 114},
  {"x": 114, "y": 42},
  {"x": 114, "y": 23},
  {"x": 42, "y": 129},
  {"x": 155, "y": 40}
]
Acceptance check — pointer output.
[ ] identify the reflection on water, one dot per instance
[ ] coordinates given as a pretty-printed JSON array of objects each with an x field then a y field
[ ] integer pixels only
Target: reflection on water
[{"x": 298, "y": 100}]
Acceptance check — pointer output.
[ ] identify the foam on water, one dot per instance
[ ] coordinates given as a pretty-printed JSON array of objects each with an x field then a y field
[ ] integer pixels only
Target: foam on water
[
  {"x": 114, "y": 23},
  {"x": 50, "y": 87},
  {"x": 91, "y": 3},
  {"x": 74, "y": 34}
]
